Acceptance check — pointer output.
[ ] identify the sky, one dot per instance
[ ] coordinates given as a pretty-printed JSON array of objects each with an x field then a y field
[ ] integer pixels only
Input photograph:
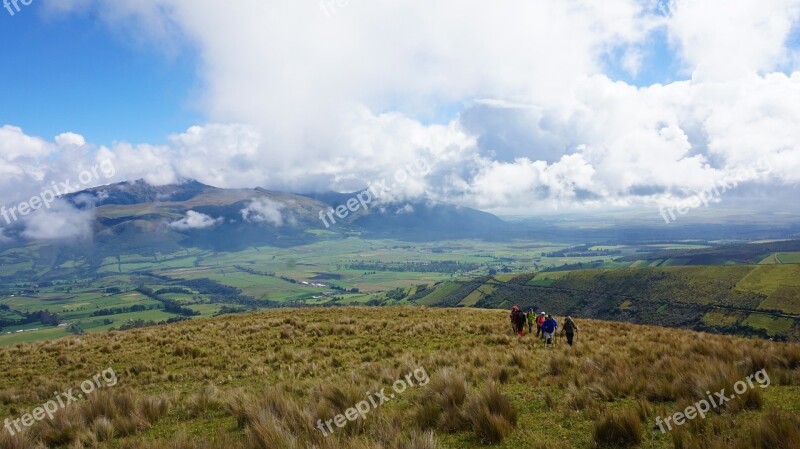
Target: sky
[{"x": 514, "y": 107}]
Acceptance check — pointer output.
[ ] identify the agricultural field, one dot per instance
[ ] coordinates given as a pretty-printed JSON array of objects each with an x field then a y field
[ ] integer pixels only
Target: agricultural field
[
  {"x": 778, "y": 258},
  {"x": 349, "y": 271},
  {"x": 128, "y": 289}
]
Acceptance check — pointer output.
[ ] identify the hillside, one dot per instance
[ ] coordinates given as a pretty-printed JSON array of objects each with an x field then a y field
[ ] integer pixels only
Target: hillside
[
  {"x": 748, "y": 253},
  {"x": 262, "y": 380},
  {"x": 761, "y": 300}
]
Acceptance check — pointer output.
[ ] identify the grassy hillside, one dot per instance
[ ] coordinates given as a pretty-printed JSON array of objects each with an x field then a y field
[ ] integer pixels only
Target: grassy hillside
[
  {"x": 262, "y": 380},
  {"x": 747, "y": 299},
  {"x": 782, "y": 251}
]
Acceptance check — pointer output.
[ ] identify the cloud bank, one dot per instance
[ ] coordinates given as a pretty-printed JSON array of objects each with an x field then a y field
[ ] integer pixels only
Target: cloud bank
[{"x": 517, "y": 106}]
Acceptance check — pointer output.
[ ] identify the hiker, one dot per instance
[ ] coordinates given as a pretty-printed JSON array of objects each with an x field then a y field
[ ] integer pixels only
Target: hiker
[
  {"x": 539, "y": 322},
  {"x": 518, "y": 320},
  {"x": 531, "y": 316},
  {"x": 514, "y": 312},
  {"x": 549, "y": 327},
  {"x": 570, "y": 328}
]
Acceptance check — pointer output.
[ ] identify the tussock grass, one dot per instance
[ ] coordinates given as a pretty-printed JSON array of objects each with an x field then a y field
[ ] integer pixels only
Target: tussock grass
[
  {"x": 775, "y": 430},
  {"x": 263, "y": 380},
  {"x": 618, "y": 430},
  {"x": 491, "y": 414}
]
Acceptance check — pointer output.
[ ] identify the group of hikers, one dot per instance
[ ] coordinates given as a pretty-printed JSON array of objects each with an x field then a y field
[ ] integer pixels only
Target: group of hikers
[{"x": 546, "y": 325}]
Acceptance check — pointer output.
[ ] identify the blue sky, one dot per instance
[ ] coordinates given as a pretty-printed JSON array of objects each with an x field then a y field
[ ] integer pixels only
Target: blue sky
[
  {"x": 72, "y": 74},
  {"x": 659, "y": 63}
]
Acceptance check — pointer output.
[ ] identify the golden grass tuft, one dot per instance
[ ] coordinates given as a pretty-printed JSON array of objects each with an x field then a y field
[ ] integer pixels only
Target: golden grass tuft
[
  {"x": 618, "y": 430},
  {"x": 774, "y": 430},
  {"x": 491, "y": 414}
]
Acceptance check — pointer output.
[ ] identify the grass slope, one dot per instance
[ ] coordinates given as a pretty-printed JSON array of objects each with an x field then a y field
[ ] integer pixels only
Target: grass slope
[{"x": 262, "y": 380}]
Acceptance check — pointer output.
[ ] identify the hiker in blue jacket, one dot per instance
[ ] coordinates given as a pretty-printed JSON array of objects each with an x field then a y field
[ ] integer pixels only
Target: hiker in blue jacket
[{"x": 549, "y": 327}]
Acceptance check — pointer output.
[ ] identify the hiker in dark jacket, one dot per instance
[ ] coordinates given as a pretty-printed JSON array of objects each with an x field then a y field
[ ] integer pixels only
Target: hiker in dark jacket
[
  {"x": 549, "y": 327},
  {"x": 569, "y": 329},
  {"x": 518, "y": 320}
]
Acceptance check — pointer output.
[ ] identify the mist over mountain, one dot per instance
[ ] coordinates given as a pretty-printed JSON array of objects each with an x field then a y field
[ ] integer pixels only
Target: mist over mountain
[{"x": 138, "y": 217}]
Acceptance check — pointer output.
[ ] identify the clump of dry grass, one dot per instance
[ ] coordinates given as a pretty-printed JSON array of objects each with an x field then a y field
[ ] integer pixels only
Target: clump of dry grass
[
  {"x": 774, "y": 430},
  {"x": 580, "y": 399},
  {"x": 441, "y": 407},
  {"x": 644, "y": 408},
  {"x": 618, "y": 430},
  {"x": 491, "y": 414},
  {"x": 18, "y": 441},
  {"x": 264, "y": 431},
  {"x": 419, "y": 440},
  {"x": 204, "y": 401},
  {"x": 104, "y": 429}
]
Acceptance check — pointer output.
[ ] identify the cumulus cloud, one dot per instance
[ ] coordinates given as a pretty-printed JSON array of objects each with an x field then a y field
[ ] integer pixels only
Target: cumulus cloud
[
  {"x": 510, "y": 105},
  {"x": 65, "y": 139},
  {"x": 195, "y": 220},
  {"x": 60, "y": 222},
  {"x": 407, "y": 209},
  {"x": 722, "y": 40},
  {"x": 264, "y": 210}
]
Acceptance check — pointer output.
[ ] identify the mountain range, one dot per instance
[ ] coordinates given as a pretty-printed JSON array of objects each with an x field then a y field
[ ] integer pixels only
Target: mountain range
[{"x": 136, "y": 217}]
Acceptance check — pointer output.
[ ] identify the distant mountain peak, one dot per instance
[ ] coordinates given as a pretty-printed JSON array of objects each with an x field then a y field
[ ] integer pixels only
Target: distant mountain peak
[{"x": 138, "y": 191}]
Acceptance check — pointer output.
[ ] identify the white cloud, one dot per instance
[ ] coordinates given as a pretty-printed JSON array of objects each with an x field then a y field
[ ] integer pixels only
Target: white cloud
[
  {"x": 723, "y": 40},
  {"x": 65, "y": 139},
  {"x": 195, "y": 220},
  {"x": 15, "y": 144},
  {"x": 507, "y": 103},
  {"x": 407, "y": 209},
  {"x": 154, "y": 164},
  {"x": 632, "y": 61},
  {"x": 60, "y": 222},
  {"x": 264, "y": 210}
]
